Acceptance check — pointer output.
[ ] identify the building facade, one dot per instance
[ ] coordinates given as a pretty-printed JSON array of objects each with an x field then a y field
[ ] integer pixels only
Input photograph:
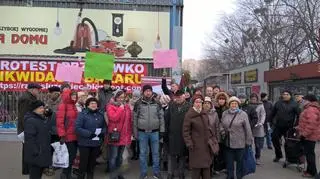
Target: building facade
[{"x": 249, "y": 79}]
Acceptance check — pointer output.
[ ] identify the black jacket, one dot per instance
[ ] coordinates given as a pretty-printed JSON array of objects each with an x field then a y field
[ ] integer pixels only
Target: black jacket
[
  {"x": 285, "y": 113},
  {"x": 176, "y": 114},
  {"x": 165, "y": 89},
  {"x": 250, "y": 109},
  {"x": 23, "y": 107},
  {"x": 37, "y": 140},
  {"x": 268, "y": 108},
  {"x": 104, "y": 96}
]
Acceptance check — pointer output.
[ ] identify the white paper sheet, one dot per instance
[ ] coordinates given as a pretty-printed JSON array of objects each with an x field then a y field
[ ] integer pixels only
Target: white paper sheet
[
  {"x": 97, "y": 132},
  {"x": 21, "y": 137}
]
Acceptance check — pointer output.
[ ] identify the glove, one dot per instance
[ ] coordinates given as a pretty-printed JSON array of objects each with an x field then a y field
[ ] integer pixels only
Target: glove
[
  {"x": 92, "y": 136},
  {"x": 161, "y": 135},
  {"x": 62, "y": 140}
]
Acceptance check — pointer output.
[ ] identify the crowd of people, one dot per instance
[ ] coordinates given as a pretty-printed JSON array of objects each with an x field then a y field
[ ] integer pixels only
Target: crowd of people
[{"x": 178, "y": 130}]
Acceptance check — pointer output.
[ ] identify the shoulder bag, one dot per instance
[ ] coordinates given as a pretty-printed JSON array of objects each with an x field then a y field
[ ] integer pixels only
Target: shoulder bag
[{"x": 227, "y": 132}]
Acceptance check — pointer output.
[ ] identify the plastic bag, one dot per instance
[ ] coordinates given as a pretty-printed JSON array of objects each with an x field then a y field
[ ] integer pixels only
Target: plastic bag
[
  {"x": 249, "y": 163},
  {"x": 60, "y": 157},
  {"x": 125, "y": 159}
]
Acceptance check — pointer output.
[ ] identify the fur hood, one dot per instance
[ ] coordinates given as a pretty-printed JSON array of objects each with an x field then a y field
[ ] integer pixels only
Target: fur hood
[{"x": 222, "y": 94}]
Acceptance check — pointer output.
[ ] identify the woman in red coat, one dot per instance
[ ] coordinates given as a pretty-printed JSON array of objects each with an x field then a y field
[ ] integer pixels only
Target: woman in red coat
[
  {"x": 309, "y": 123},
  {"x": 66, "y": 118},
  {"x": 120, "y": 120}
]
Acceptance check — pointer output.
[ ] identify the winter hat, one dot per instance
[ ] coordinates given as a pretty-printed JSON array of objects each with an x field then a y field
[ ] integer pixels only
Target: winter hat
[
  {"x": 179, "y": 93},
  {"x": 107, "y": 82},
  {"x": 254, "y": 95},
  {"x": 195, "y": 97},
  {"x": 288, "y": 91},
  {"x": 54, "y": 89},
  {"x": 234, "y": 98},
  {"x": 65, "y": 85},
  {"x": 310, "y": 98},
  {"x": 231, "y": 92},
  {"x": 118, "y": 93},
  {"x": 164, "y": 100},
  {"x": 263, "y": 95},
  {"x": 35, "y": 104},
  {"x": 242, "y": 96},
  {"x": 207, "y": 99},
  {"x": 146, "y": 87},
  {"x": 89, "y": 100},
  {"x": 136, "y": 93},
  {"x": 34, "y": 86}
]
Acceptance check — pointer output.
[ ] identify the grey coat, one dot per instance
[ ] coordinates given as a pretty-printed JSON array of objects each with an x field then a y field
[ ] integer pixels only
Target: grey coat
[
  {"x": 258, "y": 130},
  {"x": 148, "y": 115},
  {"x": 240, "y": 132}
]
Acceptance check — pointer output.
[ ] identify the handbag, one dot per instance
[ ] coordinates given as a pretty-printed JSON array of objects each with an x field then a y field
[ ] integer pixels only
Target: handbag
[
  {"x": 249, "y": 163},
  {"x": 213, "y": 145},
  {"x": 226, "y": 139},
  {"x": 114, "y": 136}
]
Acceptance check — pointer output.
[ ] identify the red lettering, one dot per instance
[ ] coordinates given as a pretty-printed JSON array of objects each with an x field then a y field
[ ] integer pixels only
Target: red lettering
[
  {"x": 34, "y": 38},
  {"x": 2, "y": 40},
  {"x": 44, "y": 39},
  {"x": 24, "y": 38},
  {"x": 14, "y": 38}
]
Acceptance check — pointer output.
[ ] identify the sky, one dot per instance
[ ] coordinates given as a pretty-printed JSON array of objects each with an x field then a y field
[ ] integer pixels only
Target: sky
[{"x": 199, "y": 19}]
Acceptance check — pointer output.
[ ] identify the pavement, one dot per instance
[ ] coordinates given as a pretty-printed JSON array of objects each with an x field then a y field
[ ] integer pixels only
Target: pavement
[{"x": 10, "y": 164}]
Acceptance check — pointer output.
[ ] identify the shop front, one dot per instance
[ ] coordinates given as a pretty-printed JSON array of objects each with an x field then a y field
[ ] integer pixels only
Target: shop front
[
  {"x": 249, "y": 79},
  {"x": 304, "y": 78}
]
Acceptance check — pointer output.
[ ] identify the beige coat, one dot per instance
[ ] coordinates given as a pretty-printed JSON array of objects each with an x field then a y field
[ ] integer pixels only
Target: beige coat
[
  {"x": 258, "y": 131},
  {"x": 240, "y": 132}
]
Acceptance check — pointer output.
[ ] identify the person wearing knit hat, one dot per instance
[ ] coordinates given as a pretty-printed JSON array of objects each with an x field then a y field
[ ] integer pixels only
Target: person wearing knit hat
[
  {"x": 234, "y": 99},
  {"x": 284, "y": 115},
  {"x": 65, "y": 85},
  {"x": 37, "y": 136},
  {"x": 148, "y": 125},
  {"x": 207, "y": 103}
]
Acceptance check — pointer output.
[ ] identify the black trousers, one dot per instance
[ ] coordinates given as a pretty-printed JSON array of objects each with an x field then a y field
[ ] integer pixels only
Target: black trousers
[
  {"x": 309, "y": 147},
  {"x": 176, "y": 163},
  {"x": 88, "y": 156},
  {"x": 25, "y": 166},
  {"x": 35, "y": 172},
  {"x": 72, "y": 149},
  {"x": 277, "y": 134}
]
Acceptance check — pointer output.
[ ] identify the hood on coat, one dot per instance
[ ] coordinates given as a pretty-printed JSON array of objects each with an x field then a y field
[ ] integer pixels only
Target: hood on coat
[
  {"x": 222, "y": 94},
  {"x": 66, "y": 97},
  {"x": 312, "y": 104},
  {"x": 193, "y": 113},
  {"x": 29, "y": 115}
]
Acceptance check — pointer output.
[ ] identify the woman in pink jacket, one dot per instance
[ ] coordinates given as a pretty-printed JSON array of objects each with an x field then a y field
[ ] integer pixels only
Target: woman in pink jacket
[
  {"x": 119, "y": 131},
  {"x": 309, "y": 123}
]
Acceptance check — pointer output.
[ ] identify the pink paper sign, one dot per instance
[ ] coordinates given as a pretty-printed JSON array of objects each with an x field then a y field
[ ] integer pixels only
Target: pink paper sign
[
  {"x": 165, "y": 58},
  {"x": 69, "y": 73}
]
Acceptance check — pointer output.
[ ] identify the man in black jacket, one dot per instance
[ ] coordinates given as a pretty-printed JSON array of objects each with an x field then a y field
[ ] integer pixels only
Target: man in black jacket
[
  {"x": 177, "y": 147},
  {"x": 284, "y": 115},
  {"x": 249, "y": 109},
  {"x": 268, "y": 108}
]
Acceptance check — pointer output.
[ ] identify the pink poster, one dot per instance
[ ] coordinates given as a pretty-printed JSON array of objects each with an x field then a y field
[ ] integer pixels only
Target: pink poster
[
  {"x": 69, "y": 73},
  {"x": 165, "y": 58}
]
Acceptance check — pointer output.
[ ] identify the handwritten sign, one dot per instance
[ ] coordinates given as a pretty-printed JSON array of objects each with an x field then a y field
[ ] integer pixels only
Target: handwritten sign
[
  {"x": 68, "y": 73},
  {"x": 165, "y": 58}
]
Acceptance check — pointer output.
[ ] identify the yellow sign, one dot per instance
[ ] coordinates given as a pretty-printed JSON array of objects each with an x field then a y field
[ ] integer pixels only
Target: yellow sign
[
  {"x": 251, "y": 76},
  {"x": 236, "y": 78},
  {"x": 33, "y": 31}
]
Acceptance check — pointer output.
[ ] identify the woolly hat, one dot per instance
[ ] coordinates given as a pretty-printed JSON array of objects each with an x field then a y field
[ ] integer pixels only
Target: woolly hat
[
  {"x": 310, "y": 98},
  {"x": 146, "y": 87},
  {"x": 109, "y": 82},
  {"x": 287, "y": 90},
  {"x": 64, "y": 85},
  {"x": 179, "y": 93},
  {"x": 34, "y": 86},
  {"x": 136, "y": 93},
  {"x": 35, "y": 104},
  {"x": 263, "y": 95},
  {"x": 233, "y": 98},
  {"x": 164, "y": 100},
  {"x": 242, "y": 96},
  {"x": 118, "y": 93},
  {"x": 254, "y": 95},
  {"x": 207, "y": 99},
  {"x": 54, "y": 89},
  {"x": 195, "y": 97},
  {"x": 89, "y": 100}
]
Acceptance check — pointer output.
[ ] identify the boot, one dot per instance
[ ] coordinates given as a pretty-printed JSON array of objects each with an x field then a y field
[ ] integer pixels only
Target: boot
[{"x": 90, "y": 175}]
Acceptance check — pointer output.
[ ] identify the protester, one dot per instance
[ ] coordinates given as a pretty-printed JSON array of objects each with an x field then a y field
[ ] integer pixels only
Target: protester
[
  {"x": 309, "y": 130},
  {"x": 197, "y": 91},
  {"x": 214, "y": 124},
  {"x": 134, "y": 144},
  {"x": 216, "y": 90},
  {"x": 104, "y": 94},
  {"x": 299, "y": 99},
  {"x": 284, "y": 114},
  {"x": 197, "y": 135},
  {"x": 24, "y": 102},
  {"x": 221, "y": 106},
  {"x": 209, "y": 93},
  {"x": 176, "y": 145},
  {"x": 82, "y": 97},
  {"x": 174, "y": 87},
  {"x": 88, "y": 122},
  {"x": 187, "y": 95},
  {"x": 164, "y": 101},
  {"x": 258, "y": 130},
  {"x": 66, "y": 118},
  {"x": 249, "y": 109},
  {"x": 267, "y": 125},
  {"x": 37, "y": 151},
  {"x": 148, "y": 122},
  {"x": 238, "y": 136},
  {"x": 119, "y": 132}
]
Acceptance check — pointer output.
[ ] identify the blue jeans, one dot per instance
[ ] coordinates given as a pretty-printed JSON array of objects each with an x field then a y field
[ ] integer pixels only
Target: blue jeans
[
  {"x": 115, "y": 160},
  {"x": 234, "y": 155},
  {"x": 258, "y": 142},
  {"x": 144, "y": 137},
  {"x": 268, "y": 138}
]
